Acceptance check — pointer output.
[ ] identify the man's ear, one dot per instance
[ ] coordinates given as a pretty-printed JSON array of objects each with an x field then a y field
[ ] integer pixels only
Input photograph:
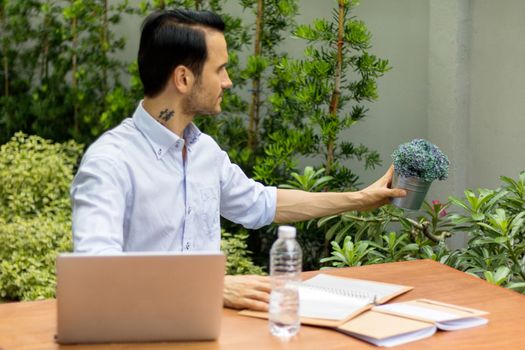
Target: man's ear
[{"x": 183, "y": 79}]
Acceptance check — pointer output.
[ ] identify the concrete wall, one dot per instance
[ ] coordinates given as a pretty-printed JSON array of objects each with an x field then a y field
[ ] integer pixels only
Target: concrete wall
[
  {"x": 400, "y": 34},
  {"x": 497, "y": 92},
  {"x": 458, "y": 79}
]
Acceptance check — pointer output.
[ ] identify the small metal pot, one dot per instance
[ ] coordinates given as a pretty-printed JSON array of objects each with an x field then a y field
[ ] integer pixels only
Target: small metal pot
[{"x": 416, "y": 191}]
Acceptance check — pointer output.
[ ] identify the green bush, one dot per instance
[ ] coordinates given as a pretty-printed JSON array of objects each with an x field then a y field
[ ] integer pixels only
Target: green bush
[
  {"x": 35, "y": 213},
  {"x": 35, "y": 175},
  {"x": 495, "y": 223},
  {"x": 28, "y": 248},
  {"x": 493, "y": 219},
  {"x": 237, "y": 260}
]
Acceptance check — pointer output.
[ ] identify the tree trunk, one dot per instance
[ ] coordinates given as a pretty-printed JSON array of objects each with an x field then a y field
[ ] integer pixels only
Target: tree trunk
[
  {"x": 6, "y": 73},
  {"x": 334, "y": 103},
  {"x": 253, "y": 123},
  {"x": 74, "y": 83},
  {"x": 45, "y": 48},
  {"x": 105, "y": 46},
  {"x": 198, "y": 4},
  {"x": 5, "y": 48}
]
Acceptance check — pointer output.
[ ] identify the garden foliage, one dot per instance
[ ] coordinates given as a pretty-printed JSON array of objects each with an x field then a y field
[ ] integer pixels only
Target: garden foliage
[
  {"x": 314, "y": 100},
  {"x": 35, "y": 213},
  {"x": 60, "y": 79},
  {"x": 238, "y": 260},
  {"x": 58, "y": 67},
  {"x": 35, "y": 217},
  {"x": 492, "y": 219},
  {"x": 495, "y": 223}
]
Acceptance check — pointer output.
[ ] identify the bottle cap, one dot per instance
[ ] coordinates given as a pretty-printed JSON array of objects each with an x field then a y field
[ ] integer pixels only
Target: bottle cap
[{"x": 287, "y": 232}]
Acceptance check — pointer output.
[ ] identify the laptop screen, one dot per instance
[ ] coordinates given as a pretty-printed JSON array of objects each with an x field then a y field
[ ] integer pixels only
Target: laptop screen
[{"x": 132, "y": 297}]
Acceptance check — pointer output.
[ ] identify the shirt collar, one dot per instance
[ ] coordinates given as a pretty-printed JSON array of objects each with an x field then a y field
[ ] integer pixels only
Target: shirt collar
[
  {"x": 191, "y": 134},
  {"x": 159, "y": 137}
]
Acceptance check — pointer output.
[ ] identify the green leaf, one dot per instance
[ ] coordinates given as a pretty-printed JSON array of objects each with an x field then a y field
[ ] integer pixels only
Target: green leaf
[
  {"x": 478, "y": 216},
  {"x": 501, "y": 274},
  {"x": 516, "y": 285}
]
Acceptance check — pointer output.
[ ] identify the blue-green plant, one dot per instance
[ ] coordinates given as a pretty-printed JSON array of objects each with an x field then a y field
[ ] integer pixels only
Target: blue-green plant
[{"x": 422, "y": 159}]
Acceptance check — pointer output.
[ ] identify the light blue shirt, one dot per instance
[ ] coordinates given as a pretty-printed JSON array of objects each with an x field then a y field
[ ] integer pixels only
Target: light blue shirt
[{"x": 134, "y": 192}]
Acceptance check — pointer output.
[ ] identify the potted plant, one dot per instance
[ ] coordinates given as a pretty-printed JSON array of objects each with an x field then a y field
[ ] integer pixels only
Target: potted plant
[{"x": 416, "y": 164}]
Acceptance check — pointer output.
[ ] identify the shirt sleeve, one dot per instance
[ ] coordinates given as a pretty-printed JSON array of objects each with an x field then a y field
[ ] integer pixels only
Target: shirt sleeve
[
  {"x": 244, "y": 200},
  {"x": 98, "y": 196}
]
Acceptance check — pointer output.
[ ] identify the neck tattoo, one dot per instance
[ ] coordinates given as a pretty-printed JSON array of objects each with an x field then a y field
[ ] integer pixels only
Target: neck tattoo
[{"x": 166, "y": 115}]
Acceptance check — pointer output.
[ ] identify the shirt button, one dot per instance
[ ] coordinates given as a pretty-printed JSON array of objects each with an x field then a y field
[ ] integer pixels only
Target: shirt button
[
  {"x": 159, "y": 151},
  {"x": 187, "y": 245}
]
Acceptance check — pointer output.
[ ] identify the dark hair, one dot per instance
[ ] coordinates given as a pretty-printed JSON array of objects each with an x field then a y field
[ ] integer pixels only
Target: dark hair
[{"x": 171, "y": 38}]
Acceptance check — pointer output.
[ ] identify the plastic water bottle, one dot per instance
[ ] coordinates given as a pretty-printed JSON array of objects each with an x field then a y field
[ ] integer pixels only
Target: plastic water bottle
[{"x": 286, "y": 259}]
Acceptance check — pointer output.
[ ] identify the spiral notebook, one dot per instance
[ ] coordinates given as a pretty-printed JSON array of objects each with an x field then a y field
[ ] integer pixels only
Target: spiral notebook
[
  {"x": 399, "y": 323},
  {"x": 329, "y": 301},
  {"x": 446, "y": 317}
]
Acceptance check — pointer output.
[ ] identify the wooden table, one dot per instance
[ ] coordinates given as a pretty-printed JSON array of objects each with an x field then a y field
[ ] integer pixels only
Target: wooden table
[{"x": 31, "y": 325}]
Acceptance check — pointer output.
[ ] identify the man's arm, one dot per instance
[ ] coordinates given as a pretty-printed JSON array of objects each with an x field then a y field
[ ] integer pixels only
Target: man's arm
[
  {"x": 253, "y": 292},
  {"x": 296, "y": 205},
  {"x": 98, "y": 195}
]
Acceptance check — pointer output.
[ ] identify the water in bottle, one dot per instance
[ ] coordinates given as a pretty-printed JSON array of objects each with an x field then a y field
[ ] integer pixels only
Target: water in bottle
[{"x": 285, "y": 270}]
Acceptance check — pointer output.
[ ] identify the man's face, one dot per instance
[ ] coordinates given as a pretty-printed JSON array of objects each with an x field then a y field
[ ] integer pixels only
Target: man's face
[{"x": 206, "y": 94}]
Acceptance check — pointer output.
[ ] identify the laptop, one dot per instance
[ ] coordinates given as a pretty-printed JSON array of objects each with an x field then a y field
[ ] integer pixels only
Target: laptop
[{"x": 139, "y": 297}]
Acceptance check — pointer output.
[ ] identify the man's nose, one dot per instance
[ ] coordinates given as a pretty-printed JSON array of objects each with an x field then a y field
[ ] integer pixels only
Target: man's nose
[{"x": 227, "y": 83}]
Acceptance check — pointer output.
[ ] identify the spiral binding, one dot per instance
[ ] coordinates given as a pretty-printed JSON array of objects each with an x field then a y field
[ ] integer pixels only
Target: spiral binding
[{"x": 356, "y": 294}]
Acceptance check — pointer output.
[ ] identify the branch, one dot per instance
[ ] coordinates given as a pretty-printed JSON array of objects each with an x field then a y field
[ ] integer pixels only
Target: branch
[
  {"x": 330, "y": 148},
  {"x": 105, "y": 46},
  {"x": 74, "y": 37},
  {"x": 423, "y": 227},
  {"x": 256, "y": 82},
  {"x": 4, "y": 50}
]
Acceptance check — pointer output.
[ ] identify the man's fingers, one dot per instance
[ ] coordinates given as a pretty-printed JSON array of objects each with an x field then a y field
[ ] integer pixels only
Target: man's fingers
[
  {"x": 398, "y": 192},
  {"x": 255, "y": 305},
  {"x": 390, "y": 176},
  {"x": 264, "y": 287},
  {"x": 248, "y": 291},
  {"x": 256, "y": 295},
  {"x": 261, "y": 283}
]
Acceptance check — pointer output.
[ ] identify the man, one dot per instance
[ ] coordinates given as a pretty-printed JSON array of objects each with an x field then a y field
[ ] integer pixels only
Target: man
[{"x": 156, "y": 183}]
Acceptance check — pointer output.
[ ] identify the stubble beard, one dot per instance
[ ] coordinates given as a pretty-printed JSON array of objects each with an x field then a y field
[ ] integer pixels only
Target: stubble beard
[{"x": 193, "y": 105}]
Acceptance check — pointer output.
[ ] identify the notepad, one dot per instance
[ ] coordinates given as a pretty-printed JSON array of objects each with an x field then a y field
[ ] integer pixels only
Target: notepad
[
  {"x": 399, "y": 323},
  {"x": 386, "y": 330},
  {"x": 353, "y": 306},
  {"x": 332, "y": 298},
  {"x": 329, "y": 301},
  {"x": 446, "y": 317}
]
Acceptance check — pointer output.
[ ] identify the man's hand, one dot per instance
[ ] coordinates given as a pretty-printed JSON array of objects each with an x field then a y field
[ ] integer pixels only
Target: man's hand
[
  {"x": 379, "y": 193},
  {"x": 247, "y": 292}
]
